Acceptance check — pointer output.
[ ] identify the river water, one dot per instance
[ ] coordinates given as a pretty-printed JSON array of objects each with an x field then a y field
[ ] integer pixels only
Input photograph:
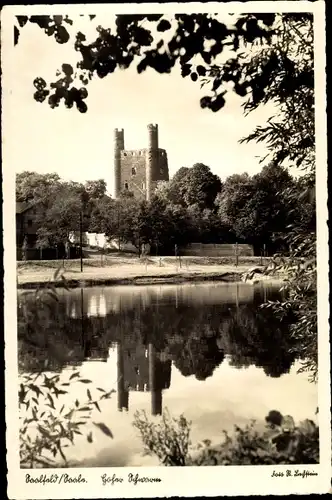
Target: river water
[{"x": 208, "y": 351}]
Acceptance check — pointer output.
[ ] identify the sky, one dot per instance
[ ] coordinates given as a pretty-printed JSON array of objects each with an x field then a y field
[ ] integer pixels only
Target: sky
[{"x": 80, "y": 146}]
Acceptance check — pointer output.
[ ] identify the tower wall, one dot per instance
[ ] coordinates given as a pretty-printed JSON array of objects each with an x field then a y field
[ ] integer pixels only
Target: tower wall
[
  {"x": 118, "y": 148},
  {"x": 133, "y": 172},
  {"x": 152, "y": 156}
]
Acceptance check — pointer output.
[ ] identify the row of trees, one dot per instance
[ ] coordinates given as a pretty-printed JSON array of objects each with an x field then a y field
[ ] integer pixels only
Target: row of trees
[
  {"x": 63, "y": 207},
  {"x": 194, "y": 206}
]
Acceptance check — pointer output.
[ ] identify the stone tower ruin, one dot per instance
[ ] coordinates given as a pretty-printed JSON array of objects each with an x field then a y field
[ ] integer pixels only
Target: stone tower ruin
[{"x": 139, "y": 170}]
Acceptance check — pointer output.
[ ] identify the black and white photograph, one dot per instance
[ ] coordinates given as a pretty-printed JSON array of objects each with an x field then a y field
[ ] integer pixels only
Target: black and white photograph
[{"x": 166, "y": 276}]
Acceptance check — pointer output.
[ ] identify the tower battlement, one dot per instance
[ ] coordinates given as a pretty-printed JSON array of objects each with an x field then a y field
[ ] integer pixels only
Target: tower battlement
[{"x": 140, "y": 170}]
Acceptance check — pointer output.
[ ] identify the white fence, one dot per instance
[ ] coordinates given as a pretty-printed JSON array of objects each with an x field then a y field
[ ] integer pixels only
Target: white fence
[{"x": 217, "y": 250}]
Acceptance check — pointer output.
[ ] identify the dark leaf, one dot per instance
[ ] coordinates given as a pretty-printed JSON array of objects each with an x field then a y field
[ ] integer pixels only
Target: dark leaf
[
  {"x": 103, "y": 427},
  {"x": 201, "y": 70},
  {"x": 97, "y": 406},
  {"x": 16, "y": 35},
  {"x": 164, "y": 25}
]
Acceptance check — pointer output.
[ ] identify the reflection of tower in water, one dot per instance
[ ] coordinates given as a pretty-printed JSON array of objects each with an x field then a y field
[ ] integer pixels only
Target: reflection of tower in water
[
  {"x": 141, "y": 369},
  {"x": 123, "y": 393},
  {"x": 155, "y": 388}
]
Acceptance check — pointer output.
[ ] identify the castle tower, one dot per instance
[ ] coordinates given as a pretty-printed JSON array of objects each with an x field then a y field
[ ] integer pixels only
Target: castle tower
[
  {"x": 139, "y": 171},
  {"x": 118, "y": 147},
  {"x": 151, "y": 158}
]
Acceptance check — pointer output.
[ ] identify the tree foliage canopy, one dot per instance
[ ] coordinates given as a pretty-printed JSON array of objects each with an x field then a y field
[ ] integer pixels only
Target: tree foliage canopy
[
  {"x": 60, "y": 201},
  {"x": 191, "y": 186},
  {"x": 259, "y": 208},
  {"x": 269, "y": 58},
  {"x": 31, "y": 186}
]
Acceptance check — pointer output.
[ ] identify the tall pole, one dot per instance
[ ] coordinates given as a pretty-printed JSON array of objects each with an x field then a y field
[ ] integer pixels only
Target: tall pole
[
  {"x": 81, "y": 239},
  {"x": 119, "y": 238}
]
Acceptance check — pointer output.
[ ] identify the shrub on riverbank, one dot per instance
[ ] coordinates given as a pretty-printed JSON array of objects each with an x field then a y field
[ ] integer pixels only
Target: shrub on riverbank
[{"x": 282, "y": 442}]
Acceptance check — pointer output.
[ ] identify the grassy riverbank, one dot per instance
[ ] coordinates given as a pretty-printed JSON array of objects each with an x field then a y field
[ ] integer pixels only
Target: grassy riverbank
[{"x": 132, "y": 270}]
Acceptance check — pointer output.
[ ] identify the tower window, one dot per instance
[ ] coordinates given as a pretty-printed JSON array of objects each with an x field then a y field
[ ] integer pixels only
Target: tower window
[
  {"x": 133, "y": 171},
  {"x": 126, "y": 185},
  {"x": 161, "y": 170},
  {"x": 29, "y": 222}
]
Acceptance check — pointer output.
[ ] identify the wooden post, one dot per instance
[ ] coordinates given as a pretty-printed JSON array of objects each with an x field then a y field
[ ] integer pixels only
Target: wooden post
[
  {"x": 81, "y": 239},
  {"x": 261, "y": 257},
  {"x": 236, "y": 255},
  {"x": 82, "y": 321},
  {"x": 25, "y": 249},
  {"x": 264, "y": 251},
  {"x": 176, "y": 255}
]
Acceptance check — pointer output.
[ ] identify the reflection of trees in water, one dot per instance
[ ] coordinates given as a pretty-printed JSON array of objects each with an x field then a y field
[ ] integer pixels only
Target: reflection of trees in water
[
  {"x": 199, "y": 358},
  {"x": 194, "y": 349},
  {"x": 254, "y": 337},
  {"x": 196, "y": 338},
  {"x": 49, "y": 340}
]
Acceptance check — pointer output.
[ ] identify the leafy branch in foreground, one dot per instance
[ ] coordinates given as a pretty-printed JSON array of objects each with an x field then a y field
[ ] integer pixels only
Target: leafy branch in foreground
[
  {"x": 270, "y": 61},
  {"x": 299, "y": 305},
  {"x": 47, "y": 427}
]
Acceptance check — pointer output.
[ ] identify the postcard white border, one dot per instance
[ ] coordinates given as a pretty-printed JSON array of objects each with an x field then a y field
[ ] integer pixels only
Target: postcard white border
[{"x": 202, "y": 481}]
